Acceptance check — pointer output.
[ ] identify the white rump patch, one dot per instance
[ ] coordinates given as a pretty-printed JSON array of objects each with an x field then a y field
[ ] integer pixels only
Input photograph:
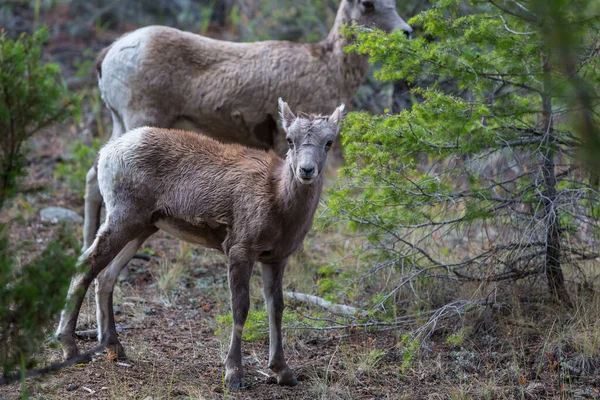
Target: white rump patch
[{"x": 115, "y": 159}]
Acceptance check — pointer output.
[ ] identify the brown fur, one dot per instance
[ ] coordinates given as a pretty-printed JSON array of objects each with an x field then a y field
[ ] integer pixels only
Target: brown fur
[{"x": 248, "y": 203}]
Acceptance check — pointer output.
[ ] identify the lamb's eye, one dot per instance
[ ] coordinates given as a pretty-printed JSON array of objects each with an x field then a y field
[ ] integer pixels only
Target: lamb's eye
[
  {"x": 368, "y": 5},
  {"x": 328, "y": 144}
]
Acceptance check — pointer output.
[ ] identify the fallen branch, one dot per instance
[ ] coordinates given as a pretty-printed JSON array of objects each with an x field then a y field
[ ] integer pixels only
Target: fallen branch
[
  {"x": 92, "y": 334},
  {"x": 321, "y": 302},
  {"x": 142, "y": 256},
  {"x": 88, "y": 334}
]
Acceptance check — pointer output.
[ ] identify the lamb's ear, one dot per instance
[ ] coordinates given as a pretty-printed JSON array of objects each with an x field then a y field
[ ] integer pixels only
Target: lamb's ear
[
  {"x": 287, "y": 116},
  {"x": 337, "y": 115}
]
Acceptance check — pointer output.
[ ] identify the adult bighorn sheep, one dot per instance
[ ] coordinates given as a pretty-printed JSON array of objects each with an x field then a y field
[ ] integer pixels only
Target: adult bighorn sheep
[
  {"x": 163, "y": 77},
  {"x": 248, "y": 203}
]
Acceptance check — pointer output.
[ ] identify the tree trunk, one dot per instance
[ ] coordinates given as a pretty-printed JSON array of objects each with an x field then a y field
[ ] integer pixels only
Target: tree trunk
[{"x": 552, "y": 262}]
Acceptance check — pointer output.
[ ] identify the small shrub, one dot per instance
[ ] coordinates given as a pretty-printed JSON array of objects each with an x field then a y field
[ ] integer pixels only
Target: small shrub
[
  {"x": 458, "y": 338},
  {"x": 328, "y": 288},
  {"x": 327, "y": 271},
  {"x": 30, "y": 295},
  {"x": 30, "y": 298},
  {"x": 411, "y": 348},
  {"x": 33, "y": 98}
]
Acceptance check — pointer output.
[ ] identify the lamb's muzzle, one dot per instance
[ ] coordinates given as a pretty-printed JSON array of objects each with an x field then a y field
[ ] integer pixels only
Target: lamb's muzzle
[{"x": 248, "y": 203}]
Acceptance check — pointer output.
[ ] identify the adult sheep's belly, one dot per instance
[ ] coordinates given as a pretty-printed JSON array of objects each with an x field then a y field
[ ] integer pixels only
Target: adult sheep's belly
[{"x": 201, "y": 232}]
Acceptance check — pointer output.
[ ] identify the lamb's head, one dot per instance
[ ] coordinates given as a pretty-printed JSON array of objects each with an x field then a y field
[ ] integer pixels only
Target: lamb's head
[
  {"x": 309, "y": 139},
  {"x": 380, "y": 14}
]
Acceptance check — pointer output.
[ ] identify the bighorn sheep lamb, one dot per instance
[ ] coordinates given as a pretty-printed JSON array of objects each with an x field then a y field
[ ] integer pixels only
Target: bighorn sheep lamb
[
  {"x": 248, "y": 203},
  {"x": 163, "y": 77}
]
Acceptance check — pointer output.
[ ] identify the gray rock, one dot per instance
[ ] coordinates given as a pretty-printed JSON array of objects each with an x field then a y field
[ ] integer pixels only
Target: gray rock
[{"x": 54, "y": 215}]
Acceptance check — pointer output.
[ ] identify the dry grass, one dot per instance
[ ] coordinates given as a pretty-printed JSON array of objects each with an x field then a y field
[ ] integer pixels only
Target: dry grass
[{"x": 583, "y": 331}]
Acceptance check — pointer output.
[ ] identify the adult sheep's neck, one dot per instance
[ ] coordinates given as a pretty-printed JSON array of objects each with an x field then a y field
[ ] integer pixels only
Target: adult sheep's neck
[{"x": 352, "y": 67}]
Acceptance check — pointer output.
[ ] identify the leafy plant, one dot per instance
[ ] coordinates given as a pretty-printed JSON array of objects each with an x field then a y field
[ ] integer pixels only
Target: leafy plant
[
  {"x": 458, "y": 338},
  {"x": 30, "y": 298},
  {"x": 31, "y": 98},
  {"x": 409, "y": 352}
]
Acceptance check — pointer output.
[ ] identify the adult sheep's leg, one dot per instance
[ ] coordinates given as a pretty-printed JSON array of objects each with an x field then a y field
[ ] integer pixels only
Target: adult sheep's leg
[
  {"x": 108, "y": 243},
  {"x": 272, "y": 286},
  {"x": 239, "y": 271},
  {"x": 92, "y": 208},
  {"x": 105, "y": 282},
  {"x": 93, "y": 197}
]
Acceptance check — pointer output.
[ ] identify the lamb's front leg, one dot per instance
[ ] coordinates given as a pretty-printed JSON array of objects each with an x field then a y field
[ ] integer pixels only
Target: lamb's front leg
[
  {"x": 240, "y": 269},
  {"x": 272, "y": 286}
]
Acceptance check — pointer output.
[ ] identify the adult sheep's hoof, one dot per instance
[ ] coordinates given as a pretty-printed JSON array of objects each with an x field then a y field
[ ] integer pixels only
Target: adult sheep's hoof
[
  {"x": 287, "y": 378},
  {"x": 70, "y": 352},
  {"x": 68, "y": 345}
]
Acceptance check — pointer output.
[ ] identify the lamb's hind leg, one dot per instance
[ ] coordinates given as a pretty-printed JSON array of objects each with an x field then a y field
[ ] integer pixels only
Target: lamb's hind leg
[
  {"x": 109, "y": 242},
  {"x": 105, "y": 283},
  {"x": 272, "y": 286}
]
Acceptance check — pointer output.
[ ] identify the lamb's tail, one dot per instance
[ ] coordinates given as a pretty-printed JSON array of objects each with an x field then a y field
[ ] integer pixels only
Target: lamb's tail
[{"x": 100, "y": 59}]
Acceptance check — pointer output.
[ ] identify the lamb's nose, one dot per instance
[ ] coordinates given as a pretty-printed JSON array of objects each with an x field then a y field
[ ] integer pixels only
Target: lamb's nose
[
  {"x": 307, "y": 171},
  {"x": 408, "y": 34}
]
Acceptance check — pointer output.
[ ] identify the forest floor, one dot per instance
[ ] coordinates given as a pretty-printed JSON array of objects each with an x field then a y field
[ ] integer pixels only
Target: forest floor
[{"x": 172, "y": 315}]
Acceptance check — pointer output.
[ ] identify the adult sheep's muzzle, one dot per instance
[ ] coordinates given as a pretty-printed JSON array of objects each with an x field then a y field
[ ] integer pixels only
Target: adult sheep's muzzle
[{"x": 399, "y": 23}]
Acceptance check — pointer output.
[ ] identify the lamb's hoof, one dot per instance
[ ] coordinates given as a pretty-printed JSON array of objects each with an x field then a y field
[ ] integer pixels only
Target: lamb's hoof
[
  {"x": 237, "y": 386},
  {"x": 287, "y": 378},
  {"x": 234, "y": 379},
  {"x": 115, "y": 351}
]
